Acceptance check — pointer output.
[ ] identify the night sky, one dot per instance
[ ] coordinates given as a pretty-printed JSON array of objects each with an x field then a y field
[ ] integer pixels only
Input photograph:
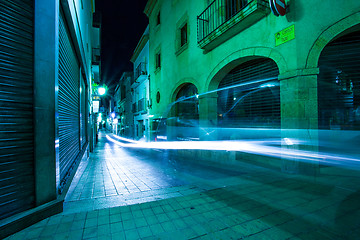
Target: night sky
[{"x": 123, "y": 23}]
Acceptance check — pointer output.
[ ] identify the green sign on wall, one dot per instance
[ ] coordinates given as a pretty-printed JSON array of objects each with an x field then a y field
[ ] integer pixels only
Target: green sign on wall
[{"x": 285, "y": 35}]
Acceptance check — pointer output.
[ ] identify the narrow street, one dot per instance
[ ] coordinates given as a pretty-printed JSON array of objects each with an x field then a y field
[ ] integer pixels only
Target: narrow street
[
  {"x": 121, "y": 193},
  {"x": 116, "y": 176}
]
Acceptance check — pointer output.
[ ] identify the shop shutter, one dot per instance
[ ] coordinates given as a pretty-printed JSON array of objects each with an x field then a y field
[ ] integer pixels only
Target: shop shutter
[
  {"x": 249, "y": 96},
  {"x": 83, "y": 113},
  {"x": 16, "y": 107},
  {"x": 339, "y": 84},
  {"x": 68, "y": 103}
]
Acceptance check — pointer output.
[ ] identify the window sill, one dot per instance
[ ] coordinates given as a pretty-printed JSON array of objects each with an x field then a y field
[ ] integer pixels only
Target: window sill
[
  {"x": 157, "y": 70},
  {"x": 182, "y": 49}
]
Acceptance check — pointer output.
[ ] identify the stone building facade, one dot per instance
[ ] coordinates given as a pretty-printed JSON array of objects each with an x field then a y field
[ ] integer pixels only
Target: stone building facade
[{"x": 238, "y": 65}]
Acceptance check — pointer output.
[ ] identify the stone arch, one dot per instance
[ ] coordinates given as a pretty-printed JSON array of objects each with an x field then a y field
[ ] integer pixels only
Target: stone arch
[
  {"x": 238, "y": 57},
  {"x": 183, "y": 115},
  {"x": 178, "y": 86},
  {"x": 338, "y": 29}
]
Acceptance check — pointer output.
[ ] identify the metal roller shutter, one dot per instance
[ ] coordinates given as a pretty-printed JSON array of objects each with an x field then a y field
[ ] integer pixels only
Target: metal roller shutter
[
  {"x": 16, "y": 107},
  {"x": 69, "y": 102},
  {"x": 339, "y": 84},
  {"x": 83, "y": 113},
  {"x": 249, "y": 96}
]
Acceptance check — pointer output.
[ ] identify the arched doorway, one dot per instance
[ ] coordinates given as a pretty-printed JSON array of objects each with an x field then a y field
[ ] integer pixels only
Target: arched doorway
[
  {"x": 339, "y": 84},
  {"x": 249, "y": 96},
  {"x": 185, "y": 114}
]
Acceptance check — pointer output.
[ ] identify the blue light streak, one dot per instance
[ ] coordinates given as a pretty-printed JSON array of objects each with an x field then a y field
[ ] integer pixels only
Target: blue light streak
[{"x": 272, "y": 148}]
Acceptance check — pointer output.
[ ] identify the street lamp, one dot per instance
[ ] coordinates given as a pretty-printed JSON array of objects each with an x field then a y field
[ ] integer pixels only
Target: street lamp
[{"x": 101, "y": 91}]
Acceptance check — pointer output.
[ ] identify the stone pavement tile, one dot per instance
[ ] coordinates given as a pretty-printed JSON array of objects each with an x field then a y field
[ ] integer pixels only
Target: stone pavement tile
[
  {"x": 68, "y": 218},
  {"x": 144, "y": 232},
  {"x": 240, "y": 217},
  {"x": 347, "y": 223},
  {"x": 64, "y": 227},
  {"x": 104, "y": 230},
  {"x": 116, "y": 227},
  {"x": 188, "y": 233},
  {"x": 217, "y": 224},
  {"x": 168, "y": 226},
  {"x": 179, "y": 224},
  {"x": 48, "y": 231},
  {"x": 156, "y": 229},
  {"x": 76, "y": 235},
  {"x": 177, "y": 235},
  {"x": 77, "y": 224},
  {"x": 91, "y": 222},
  {"x": 132, "y": 234},
  {"x": 199, "y": 229},
  {"x": 92, "y": 214},
  {"x": 251, "y": 227},
  {"x": 225, "y": 234},
  {"x": 118, "y": 236},
  {"x": 33, "y": 233},
  {"x": 277, "y": 218},
  {"x": 148, "y": 212},
  {"x": 80, "y": 216},
  {"x": 151, "y": 219},
  {"x": 172, "y": 215},
  {"x": 183, "y": 213},
  {"x": 90, "y": 232},
  {"x": 162, "y": 217},
  {"x": 209, "y": 215},
  {"x": 190, "y": 221},
  {"x": 199, "y": 218},
  {"x": 275, "y": 233},
  {"x": 129, "y": 224},
  {"x": 119, "y": 217},
  {"x": 205, "y": 237},
  {"x": 54, "y": 220},
  {"x": 297, "y": 226},
  {"x": 318, "y": 234},
  {"x": 138, "y": 213},
  {"x": 141, "y": 222},
  {"x": 103, "y": 220},
  {"x": 61, "y": 236}
]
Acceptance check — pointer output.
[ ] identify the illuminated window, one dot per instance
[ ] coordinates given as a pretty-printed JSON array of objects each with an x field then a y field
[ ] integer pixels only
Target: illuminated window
[{"x": 183, "y": 35}]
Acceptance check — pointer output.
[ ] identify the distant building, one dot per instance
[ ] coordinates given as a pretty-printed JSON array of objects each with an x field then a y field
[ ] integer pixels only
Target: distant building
[
  {"x": 123, "y": 110},
  {"x": 45, "y": 77},
  {"x": 95, "y": 77},
  {"x": 141, "y": 88},
  {"x": 234, "y": 64}
]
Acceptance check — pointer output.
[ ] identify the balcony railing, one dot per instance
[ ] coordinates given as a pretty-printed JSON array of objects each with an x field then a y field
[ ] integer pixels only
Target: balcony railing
[
  {"x": 222, "y": 15},
  {"x": 140, "y": 70},
  {"x": 217, "y": 13},
  {"x": 141, "y": 105}
]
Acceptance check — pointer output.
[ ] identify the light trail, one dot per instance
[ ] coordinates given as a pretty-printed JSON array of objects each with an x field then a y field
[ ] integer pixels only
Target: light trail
[
  {"x": 271, "y": 84},
  {"x": 258, "y": 147}
]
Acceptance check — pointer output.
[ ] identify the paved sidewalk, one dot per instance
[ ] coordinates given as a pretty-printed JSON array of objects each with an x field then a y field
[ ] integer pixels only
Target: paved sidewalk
[{"x": 122, "y": 194}]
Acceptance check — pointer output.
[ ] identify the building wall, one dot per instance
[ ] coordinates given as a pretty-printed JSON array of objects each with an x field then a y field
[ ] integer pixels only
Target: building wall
[
  {"x": 142, "y": 89},
  {"x": 193, "y": 65},
  {"x": 49, "y": 192},
  {"x": 315, "y": 24}
]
